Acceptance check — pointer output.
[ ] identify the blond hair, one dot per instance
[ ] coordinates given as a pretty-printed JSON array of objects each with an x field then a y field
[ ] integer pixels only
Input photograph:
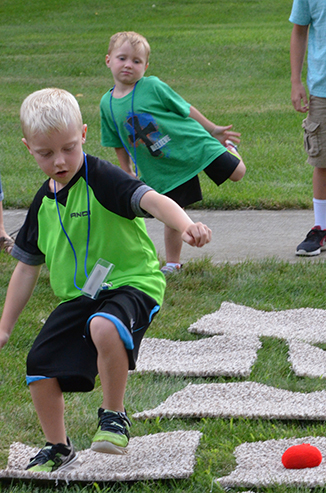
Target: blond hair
[
  {"x": 49, "y": 109},
  {"x": 136, "y": 40}
]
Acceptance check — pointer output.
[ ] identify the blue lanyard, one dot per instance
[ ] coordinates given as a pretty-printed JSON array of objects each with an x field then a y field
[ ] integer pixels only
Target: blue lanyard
[
  {"x": 134, "y": 159},
  {"x": 88, "y": 227}
]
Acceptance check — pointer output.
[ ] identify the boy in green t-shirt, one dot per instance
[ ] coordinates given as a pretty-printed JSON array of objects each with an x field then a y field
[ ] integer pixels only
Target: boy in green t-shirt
[
  {"x": 169, "y": 140},
  {"x": 87, "y": 215}
]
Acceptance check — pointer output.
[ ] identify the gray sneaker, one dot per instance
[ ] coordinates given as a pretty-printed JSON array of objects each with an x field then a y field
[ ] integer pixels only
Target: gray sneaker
[
  {"x": 313, "y": 244},
  {"x": 53, "y": 457}
]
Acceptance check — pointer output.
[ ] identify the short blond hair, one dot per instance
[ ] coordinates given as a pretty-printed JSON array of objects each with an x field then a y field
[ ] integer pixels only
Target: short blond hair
[
  {"x": 49, "y": 109},
  {"x": 136, "y": 40}
]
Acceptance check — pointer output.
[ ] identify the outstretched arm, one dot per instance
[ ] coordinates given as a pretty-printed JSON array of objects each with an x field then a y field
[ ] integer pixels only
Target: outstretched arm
[
  {"x": 125, "y": 161},
  {"x": 21, "y": 286},
  {"x": 298, "y": 48},
  {"x": 220, "y": 133},
  {"x": 168, "y": 211}
]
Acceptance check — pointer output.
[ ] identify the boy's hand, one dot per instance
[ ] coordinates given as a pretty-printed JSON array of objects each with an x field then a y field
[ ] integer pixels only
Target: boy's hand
[
  {"x": 224, "y": 133},
  {"x": 3, "y": 339},
  {"x": 299, "y": 98},
  {"x": 197, "y": 234}
]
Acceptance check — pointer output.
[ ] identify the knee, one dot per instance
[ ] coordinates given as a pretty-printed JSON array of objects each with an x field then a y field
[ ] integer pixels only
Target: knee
[
  {"x": 102, "y": 331},
  {"x": 239, "y": 172}
]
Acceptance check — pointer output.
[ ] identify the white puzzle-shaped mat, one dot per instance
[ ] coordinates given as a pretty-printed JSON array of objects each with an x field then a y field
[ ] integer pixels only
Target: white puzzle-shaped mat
[
  {"x": 159, "y": 456},
  {"x": 219, "y": 355},
  {"x": 243, "y": 399},
  {"x": 304, "y": 324},
  {"x": 259, "y": 464}
]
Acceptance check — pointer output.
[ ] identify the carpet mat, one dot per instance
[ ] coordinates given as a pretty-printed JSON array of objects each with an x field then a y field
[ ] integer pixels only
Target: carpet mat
[
  {"x": 259, "y": 464},
  {"x": 245, "y": 399},
  {"x": 159, "y": 456},
  {"x": 305, "y": 324},
  {"x": 307, "y": 360},
  {"x": 219, "y": 355}
]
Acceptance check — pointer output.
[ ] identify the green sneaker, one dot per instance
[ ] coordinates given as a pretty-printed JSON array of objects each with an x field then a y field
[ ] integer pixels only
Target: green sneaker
[
  {"x": 112, "y": 436},
  {"x": 53, "y": 457}
]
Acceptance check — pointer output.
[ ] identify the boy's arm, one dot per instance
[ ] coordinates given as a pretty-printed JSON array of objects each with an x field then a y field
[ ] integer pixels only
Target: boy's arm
[
  {"x": 168, "y": 211},
  {"x": 125, "y": 161},
  {"x": 21, "y": 286},
  {"x": 298, "y": 48},
  {"x": 220, "y": 133}
]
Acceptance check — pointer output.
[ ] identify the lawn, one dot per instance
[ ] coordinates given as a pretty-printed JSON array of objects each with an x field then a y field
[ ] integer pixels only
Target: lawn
[
  {"x": 230, "y": 59},
  {"x": 198, "y": 290}
]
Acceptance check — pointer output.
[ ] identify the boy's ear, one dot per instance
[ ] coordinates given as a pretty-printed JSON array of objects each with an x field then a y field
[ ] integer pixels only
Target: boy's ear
[
  {"x": 24, "y": 141},
  {"x": 84, "y": 132},
  {"x": 107, "y": 60}
]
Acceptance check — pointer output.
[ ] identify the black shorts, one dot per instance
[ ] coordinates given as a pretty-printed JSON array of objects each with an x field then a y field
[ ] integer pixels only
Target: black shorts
[
  {"x": 64, "y": 350},
  {"x": 218, "y": 171}
]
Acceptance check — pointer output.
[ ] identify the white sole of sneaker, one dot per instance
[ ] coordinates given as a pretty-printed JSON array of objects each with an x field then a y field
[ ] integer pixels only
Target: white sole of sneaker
[
  {"x": 108, "y": 448},
  {"x": 303, "y": 253}
]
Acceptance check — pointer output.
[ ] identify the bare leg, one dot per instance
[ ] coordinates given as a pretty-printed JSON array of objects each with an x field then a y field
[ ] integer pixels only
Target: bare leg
[
  {"x": 173, "y": 244},
  {"x": 112, "y": 362},
  {"x": 319, "y": 183},
  {"x": 49, "y": 405},
  {"x": 239, "y": 172}
]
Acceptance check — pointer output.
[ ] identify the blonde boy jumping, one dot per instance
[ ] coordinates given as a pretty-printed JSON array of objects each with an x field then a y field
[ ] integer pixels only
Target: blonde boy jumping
[{"x": 86, "y": 216}]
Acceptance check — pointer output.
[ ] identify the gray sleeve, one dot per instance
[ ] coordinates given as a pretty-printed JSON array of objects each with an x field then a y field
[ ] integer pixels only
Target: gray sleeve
[
  {"x": 135, "y": 201},
  {"x": 26, "y": 257}
]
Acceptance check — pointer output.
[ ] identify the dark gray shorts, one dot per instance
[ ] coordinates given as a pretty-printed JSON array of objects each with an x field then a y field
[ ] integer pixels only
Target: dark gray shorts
[
  {"x": 64, "y": 350},
  {"x": 218, "y": 171}
]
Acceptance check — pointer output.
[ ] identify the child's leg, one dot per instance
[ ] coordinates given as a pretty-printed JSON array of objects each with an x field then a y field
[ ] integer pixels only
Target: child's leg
[
  {"x": 239, "y": 172},
  {"x": 228, "y": 166},
  {"x": 49, "y": 405},
  {"x": 112, "y": 362},
  {"x": 185, "y": 194},
  {"x": 173, "y": 244}
]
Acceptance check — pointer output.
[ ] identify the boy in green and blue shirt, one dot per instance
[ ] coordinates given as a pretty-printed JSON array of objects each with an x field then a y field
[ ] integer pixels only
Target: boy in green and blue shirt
[{"x": 86, "y": 216}]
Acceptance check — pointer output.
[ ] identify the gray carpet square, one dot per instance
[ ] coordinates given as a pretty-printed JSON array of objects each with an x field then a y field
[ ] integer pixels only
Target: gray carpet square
[
  {"x": 219, "y": 355},
  {"x": 259, "y": 464},
  {"x": 305, "y": 324},
  {"x": 245, "y": 399},
  {"x": 159, "y": 456},
  {"x": 307, "y": 360}
]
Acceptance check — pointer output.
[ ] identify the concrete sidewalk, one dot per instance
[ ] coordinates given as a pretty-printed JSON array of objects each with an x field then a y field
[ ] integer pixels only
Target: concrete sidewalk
[{"x": 237, "y": 235}]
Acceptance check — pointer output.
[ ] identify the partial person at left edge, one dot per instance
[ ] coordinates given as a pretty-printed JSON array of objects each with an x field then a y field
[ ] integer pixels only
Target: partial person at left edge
[{"x": 6, "y": 241}]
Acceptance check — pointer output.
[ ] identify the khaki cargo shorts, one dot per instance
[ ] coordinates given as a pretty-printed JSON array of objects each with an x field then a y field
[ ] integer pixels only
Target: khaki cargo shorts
[{"x": 315, "y": 132}]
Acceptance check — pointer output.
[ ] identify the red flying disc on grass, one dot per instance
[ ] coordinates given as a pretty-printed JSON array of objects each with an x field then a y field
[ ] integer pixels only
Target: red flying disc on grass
[{"x": 301, "y": 456}]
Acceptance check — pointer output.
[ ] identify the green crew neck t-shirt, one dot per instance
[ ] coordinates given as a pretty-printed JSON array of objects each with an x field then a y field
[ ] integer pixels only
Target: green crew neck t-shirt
[{"x": 153, "y": 124}]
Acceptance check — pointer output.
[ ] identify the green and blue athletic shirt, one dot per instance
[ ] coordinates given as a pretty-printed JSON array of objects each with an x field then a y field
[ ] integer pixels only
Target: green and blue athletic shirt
[{"x": 117, "y": 232}]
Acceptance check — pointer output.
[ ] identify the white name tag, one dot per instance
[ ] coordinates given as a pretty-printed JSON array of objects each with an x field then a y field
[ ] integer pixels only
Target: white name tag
[{"x": 100, "y": 272}]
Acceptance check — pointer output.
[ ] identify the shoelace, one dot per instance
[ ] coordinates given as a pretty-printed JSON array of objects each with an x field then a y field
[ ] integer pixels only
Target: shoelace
[
  {"x": 49, "y": 453},
  {"x": 110, "y": 421}
]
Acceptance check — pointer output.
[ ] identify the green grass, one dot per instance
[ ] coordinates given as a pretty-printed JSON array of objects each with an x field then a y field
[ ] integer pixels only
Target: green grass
[
  {"x": 228, "y": 58},
  {"x": 199, "y": 289}
]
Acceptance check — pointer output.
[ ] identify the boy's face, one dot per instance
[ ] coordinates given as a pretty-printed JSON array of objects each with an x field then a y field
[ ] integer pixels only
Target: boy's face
[
  {"x": 127, "y": 64},
  {"x": 59, "y": 154}
]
